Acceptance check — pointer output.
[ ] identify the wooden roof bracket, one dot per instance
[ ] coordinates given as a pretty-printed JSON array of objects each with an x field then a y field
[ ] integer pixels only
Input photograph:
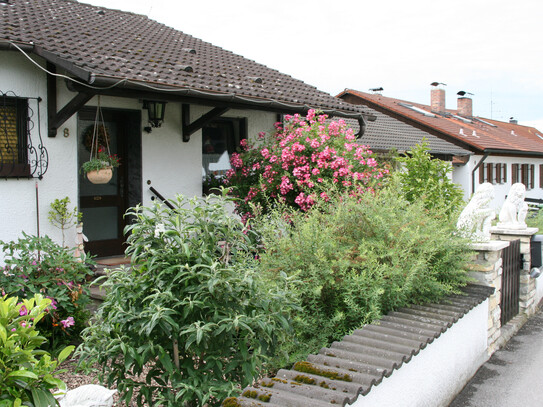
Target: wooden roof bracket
[
  {"x": 56, "y": 119},
  {"x": 189, "y": 128}
]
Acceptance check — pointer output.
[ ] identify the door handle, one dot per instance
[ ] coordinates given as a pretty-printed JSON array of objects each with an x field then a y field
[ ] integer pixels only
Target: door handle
[{"x": 97, "y": 198}]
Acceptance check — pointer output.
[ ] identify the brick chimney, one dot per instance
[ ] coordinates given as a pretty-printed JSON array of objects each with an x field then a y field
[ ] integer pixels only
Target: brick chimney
[
  {"x": 437, "y": 100},
  {"x": 465, "y": 107}
]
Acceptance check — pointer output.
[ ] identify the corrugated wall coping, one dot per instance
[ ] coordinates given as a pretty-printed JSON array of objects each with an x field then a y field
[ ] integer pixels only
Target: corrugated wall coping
[{"x": 339, "y": 374}]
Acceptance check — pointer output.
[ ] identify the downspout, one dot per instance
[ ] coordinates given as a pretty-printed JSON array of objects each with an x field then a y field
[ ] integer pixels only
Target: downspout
[{"x": 485, "y": 156}]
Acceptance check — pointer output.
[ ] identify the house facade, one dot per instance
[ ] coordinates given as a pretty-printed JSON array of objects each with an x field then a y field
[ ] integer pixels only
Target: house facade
[
  {"x": 62, "y": 62},
  {"x": 492, "y": 151}
]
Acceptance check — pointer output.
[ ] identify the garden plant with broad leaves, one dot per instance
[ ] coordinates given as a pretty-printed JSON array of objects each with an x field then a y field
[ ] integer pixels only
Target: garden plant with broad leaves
[
  {"x": 192, "y": 309},
  {"x": 27, "y": 374}
]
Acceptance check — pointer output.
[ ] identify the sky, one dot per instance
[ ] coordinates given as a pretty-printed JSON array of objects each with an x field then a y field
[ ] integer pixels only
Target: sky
[{"x": 490, "y": 48}]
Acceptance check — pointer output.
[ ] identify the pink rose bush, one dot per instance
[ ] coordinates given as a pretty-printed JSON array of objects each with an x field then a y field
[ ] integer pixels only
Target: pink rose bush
[{"x": 300, "y": 165}]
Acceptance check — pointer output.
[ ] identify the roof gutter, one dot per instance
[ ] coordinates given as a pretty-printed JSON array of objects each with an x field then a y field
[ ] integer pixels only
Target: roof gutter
[{"x": 244, "y": 101}]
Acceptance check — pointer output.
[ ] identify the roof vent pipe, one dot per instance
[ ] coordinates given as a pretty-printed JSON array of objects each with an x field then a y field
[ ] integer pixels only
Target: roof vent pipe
[{"x": 512, "y": 120}]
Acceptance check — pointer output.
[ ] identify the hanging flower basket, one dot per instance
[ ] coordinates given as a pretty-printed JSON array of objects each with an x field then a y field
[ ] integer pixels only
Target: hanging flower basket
[
  {"x": 99, "y": 168},
  {"x": 101, "y": 176}
]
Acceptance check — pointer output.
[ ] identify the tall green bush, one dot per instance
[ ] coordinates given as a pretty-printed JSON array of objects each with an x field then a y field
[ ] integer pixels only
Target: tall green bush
[
  {"x": 26, "y": 373},
  {"x": 425, "y": 178},
  {"x": 192, "y": 308},
  {"x": 37, "y": 265},
  {"x": 358, "y": 258}
]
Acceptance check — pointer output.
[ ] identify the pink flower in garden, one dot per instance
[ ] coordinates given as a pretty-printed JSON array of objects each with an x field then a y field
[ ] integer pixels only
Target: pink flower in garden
[
  {"x": 236, "y": 161},
  {"x": 53, "y": 302},
  {"x": 23, "y": 311},
  {"x": 68, "y": 322},
  {"x": 325, "y": 196}
]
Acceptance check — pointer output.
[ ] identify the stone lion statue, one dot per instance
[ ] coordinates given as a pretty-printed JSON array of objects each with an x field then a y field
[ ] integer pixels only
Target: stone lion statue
[
  {"x": 476, "y": 218},
  {"x": 514, "y": 210}
]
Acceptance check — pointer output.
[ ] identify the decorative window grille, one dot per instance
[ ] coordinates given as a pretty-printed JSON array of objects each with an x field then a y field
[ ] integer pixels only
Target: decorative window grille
[{"x": 22, "y": 153}]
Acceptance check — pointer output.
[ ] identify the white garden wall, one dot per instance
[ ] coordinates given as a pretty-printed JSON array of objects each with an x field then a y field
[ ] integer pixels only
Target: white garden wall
[{"x": 438, "y": 372}]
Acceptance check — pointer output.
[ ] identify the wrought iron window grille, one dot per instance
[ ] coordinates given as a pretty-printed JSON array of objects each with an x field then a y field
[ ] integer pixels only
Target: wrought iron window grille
[{"x": 22, "y": 153}]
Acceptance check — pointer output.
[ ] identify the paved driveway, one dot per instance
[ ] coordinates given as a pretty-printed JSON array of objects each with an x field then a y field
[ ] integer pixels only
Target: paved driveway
[{"x": 513, "y": 376}]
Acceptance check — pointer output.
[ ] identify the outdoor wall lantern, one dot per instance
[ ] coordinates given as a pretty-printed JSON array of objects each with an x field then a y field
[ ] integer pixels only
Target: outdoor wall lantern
[{"x": 156, "y": 110}]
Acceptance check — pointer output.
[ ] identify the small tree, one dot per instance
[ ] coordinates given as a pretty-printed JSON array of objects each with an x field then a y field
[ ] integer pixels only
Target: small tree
[
  {"x": 62, "y": 217},
  {"x": 427, "y": 179},
  {"x": 193, "y": 308}
]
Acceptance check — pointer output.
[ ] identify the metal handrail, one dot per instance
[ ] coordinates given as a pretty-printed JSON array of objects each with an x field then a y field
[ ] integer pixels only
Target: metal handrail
[{"x": 159, "y": 196}]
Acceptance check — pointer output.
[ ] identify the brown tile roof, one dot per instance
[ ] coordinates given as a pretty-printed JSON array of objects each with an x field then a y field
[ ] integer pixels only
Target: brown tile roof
[
  {"x": 340, "y": 373},
  {"x": 477, "y": 134},
  {"x": 97, "y": 43}
]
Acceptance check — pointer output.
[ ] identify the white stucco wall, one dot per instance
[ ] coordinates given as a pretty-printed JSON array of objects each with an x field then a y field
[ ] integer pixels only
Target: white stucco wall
[
  {"x": 171, "y": 165},
  {"x": 438, "y": 372},
  {"x": 539, "y": 289},
  {"x": 462, "y": 175}
]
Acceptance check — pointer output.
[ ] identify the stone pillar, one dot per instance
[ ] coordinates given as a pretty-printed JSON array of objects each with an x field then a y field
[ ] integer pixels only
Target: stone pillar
[
  {"x": 527, "y": 301},
  {"x": 486, "y": 268}
]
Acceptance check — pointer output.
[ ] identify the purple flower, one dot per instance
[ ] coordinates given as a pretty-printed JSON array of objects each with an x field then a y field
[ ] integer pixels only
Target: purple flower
[
  {"x": 23, "y": 311},
  {"x": 68, "y": 322}
]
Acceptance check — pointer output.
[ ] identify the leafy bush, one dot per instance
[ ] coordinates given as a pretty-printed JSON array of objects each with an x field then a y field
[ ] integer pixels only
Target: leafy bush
[
  {"x": 38, "y": 265},
  {"x": 358, "y": 258},
  {"x": 295, "y": 165},
  {"x": 426, "y": 179},
  {"x": 192, "y": 308},
  {"x": 26, "y": 373}
]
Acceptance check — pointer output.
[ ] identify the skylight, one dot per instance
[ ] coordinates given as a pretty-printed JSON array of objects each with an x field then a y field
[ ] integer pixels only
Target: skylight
[
  {"x": 417, "y": 109},
  {"x": 539, "y": 135}
]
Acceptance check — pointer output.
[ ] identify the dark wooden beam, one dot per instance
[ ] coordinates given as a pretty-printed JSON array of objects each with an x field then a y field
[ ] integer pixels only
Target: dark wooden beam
[
  {"x": 190, "y": 128},
  {"x": 57, "y": 119},
  {"x": 51, "y": 97}
]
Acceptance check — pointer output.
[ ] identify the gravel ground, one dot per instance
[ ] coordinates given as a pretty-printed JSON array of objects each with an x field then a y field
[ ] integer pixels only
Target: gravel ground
[{"x": 74, "y": 379}]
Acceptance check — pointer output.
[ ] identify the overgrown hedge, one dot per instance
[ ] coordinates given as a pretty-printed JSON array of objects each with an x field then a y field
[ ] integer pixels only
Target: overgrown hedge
[{"x": 358, "y": 258}]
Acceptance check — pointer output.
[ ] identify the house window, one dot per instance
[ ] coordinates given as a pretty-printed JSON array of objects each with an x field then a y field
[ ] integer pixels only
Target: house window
[
  {"x": 523, "y": 173},
  {"x": 495, "y": 173},
  {"x": 221, "y": 138},
  {"x": 13, "y": 139}
]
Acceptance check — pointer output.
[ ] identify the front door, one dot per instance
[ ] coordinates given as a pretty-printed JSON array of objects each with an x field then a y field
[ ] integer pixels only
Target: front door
[{"x": 103, "y": 206}]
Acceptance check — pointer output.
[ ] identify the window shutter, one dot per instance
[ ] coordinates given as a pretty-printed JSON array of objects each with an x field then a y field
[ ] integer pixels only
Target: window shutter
[
  {"x": 532, "y": 176},
  {"x": 498, "y": 173},
  {"x": 540, "y": 175},
  {"x": 514, "y": 175},
  {"x": 504, "y": 167},
  {"x": 481, "y": 174},
  {"x": 489, "y": 175}
]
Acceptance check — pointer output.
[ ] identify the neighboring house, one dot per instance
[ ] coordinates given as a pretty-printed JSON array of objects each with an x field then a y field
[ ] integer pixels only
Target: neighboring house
[
  {"x": 58, "y": 56},
  {"x": 502, "y": 153}
]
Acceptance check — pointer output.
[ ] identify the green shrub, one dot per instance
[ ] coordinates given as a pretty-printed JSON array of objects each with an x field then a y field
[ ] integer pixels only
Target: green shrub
[
  {"x": 26, "y": 373},
  {"x": 359, "y": 258},
  {"x": 426, "y": 179},
  {"x": 38, "y": 265},
  {"x": 192, "y": 308}
]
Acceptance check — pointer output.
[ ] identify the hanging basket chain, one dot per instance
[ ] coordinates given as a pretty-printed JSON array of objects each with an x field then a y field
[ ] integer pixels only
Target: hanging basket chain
[{"x": 95, "y": 132}]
